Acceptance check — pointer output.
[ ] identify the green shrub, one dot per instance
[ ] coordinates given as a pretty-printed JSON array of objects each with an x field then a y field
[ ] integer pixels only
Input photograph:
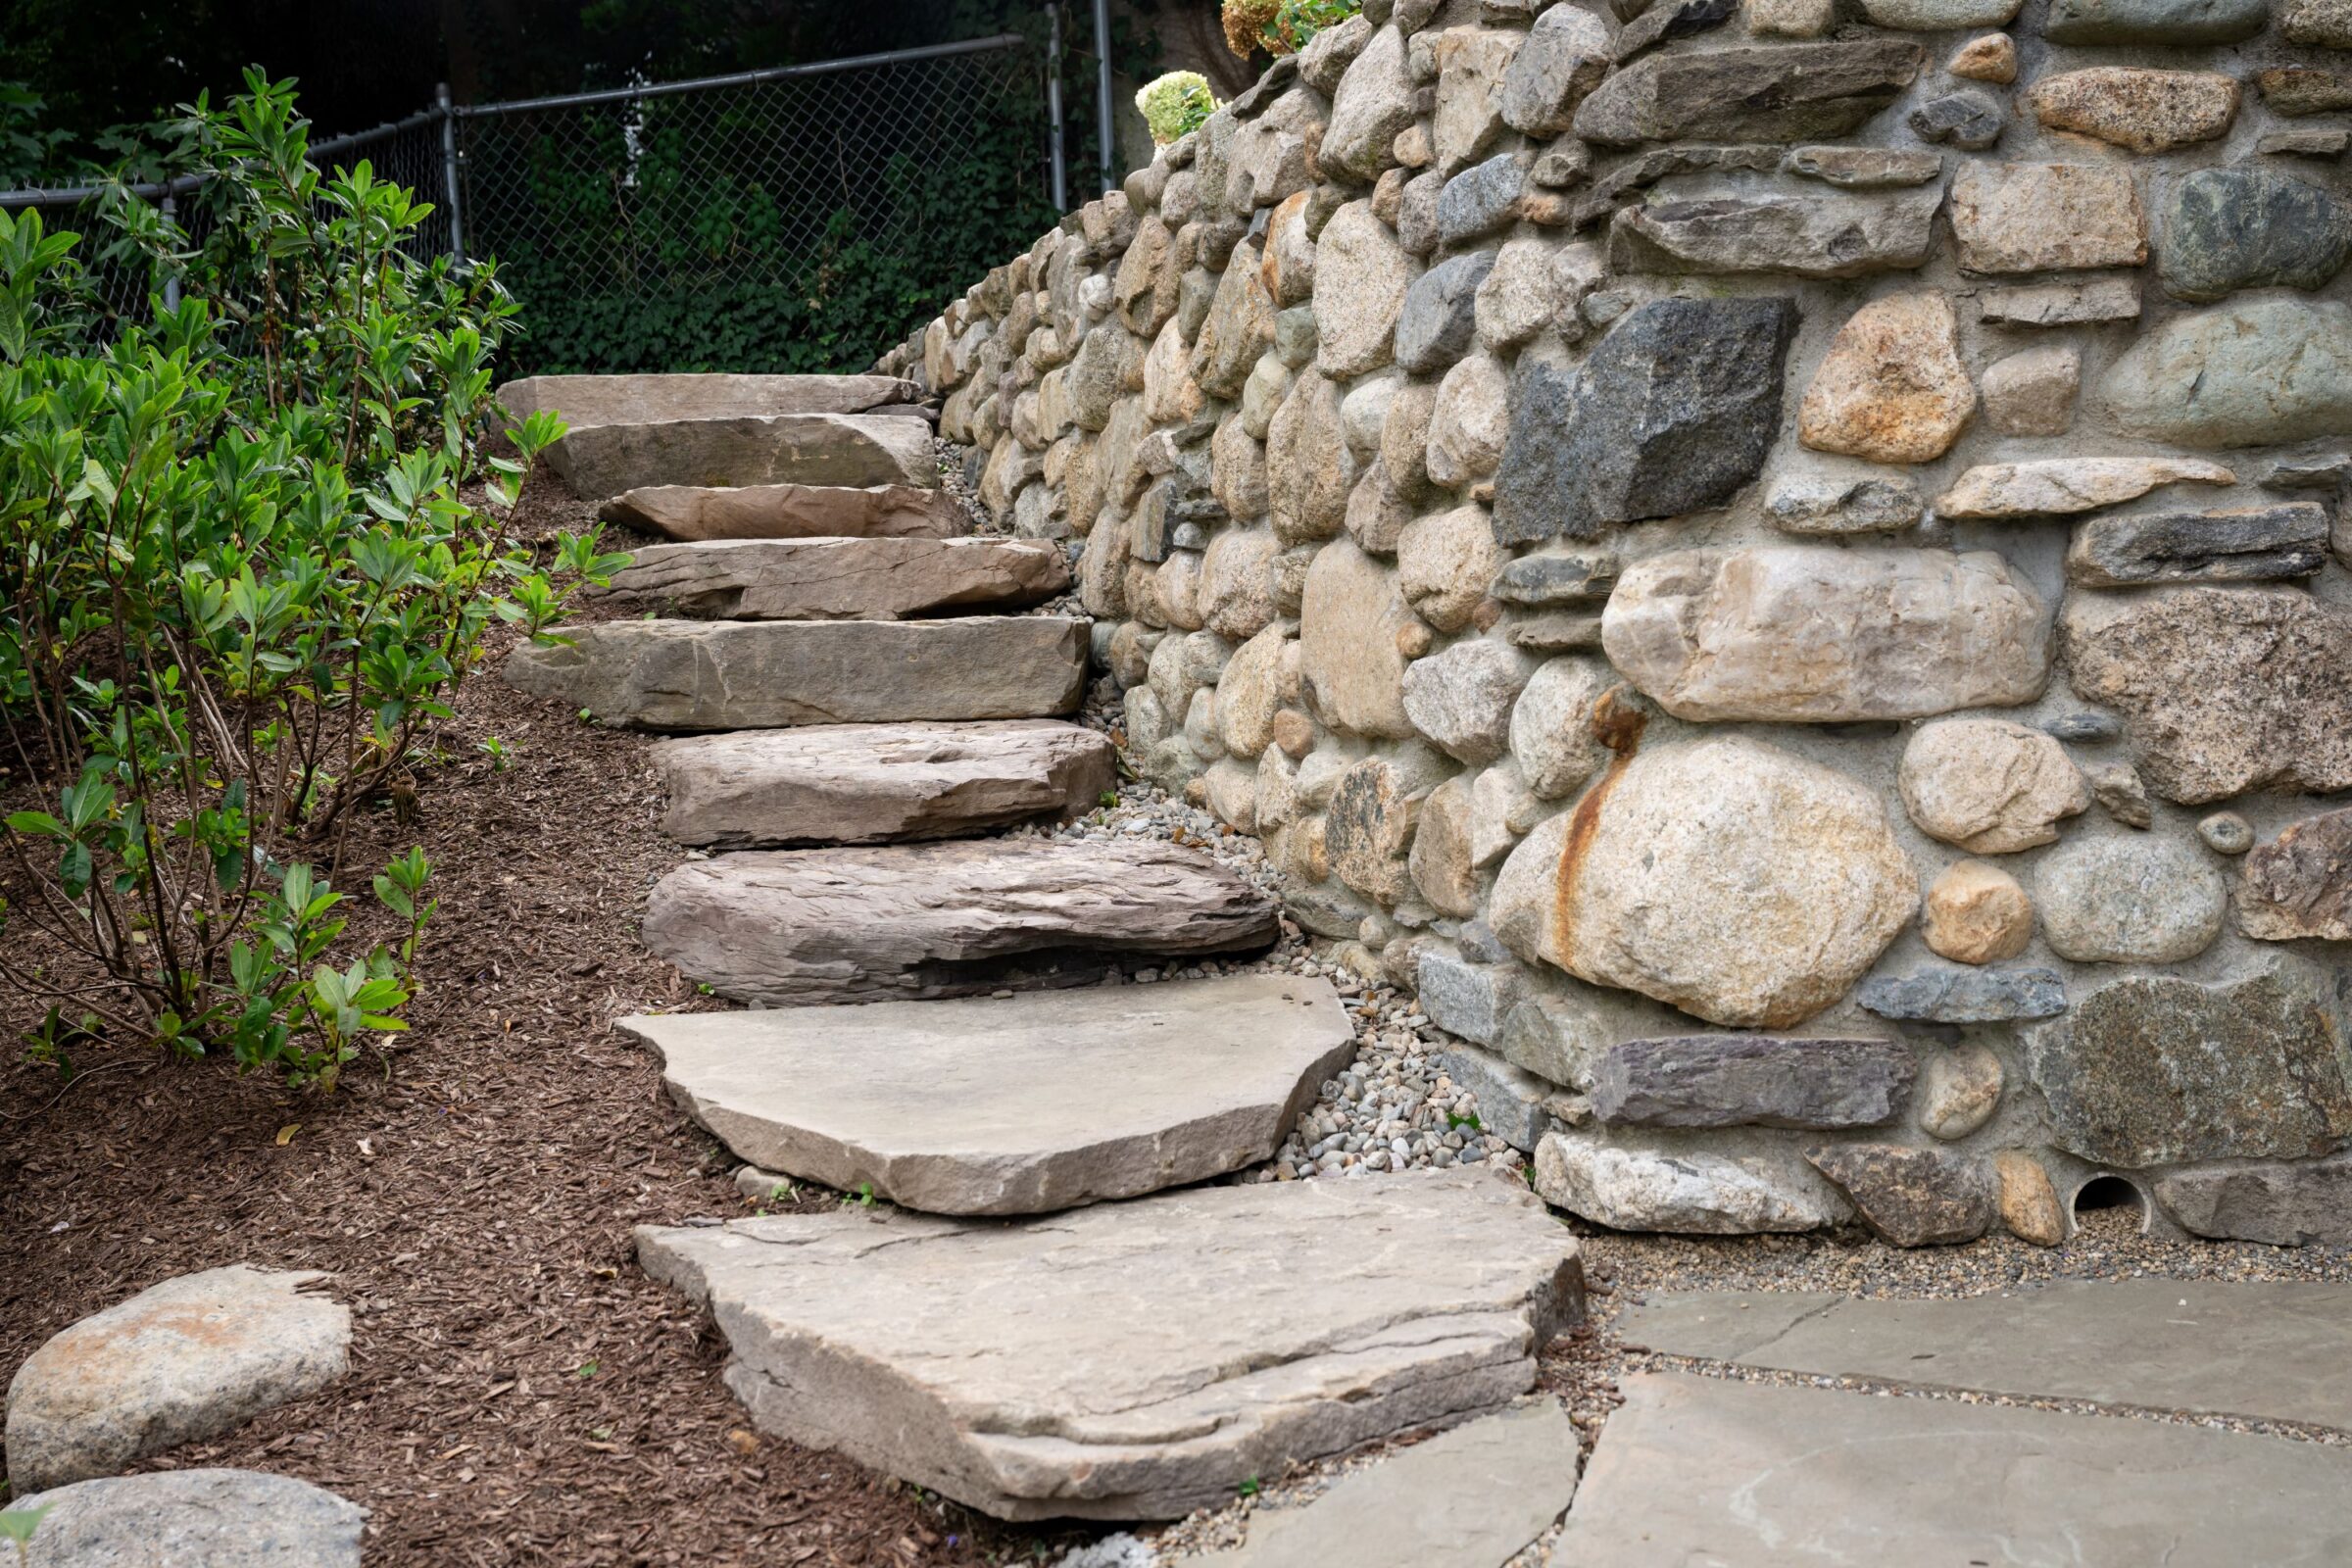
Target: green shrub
[
  {"x": 1296, "y": 23},
  {"x": 242, "y": 573},
  {"x": 1175, "y": 104}
]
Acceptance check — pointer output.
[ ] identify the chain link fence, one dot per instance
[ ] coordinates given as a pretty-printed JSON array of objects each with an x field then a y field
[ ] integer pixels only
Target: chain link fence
[{"x": 804, "y": 218}]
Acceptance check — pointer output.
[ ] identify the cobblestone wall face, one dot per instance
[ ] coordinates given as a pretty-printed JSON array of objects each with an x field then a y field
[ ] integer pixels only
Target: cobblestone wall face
[{"x": 1785, "y": 567}]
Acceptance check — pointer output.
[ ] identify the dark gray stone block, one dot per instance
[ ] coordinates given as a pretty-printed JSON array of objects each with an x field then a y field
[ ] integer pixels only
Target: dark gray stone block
[
  {"x": 2250, "y": 227},
  {"x": 2248, "y": 544},
  {"x": 1912, "y": 1196},
  {"x": 1736, "y": 1080},
  {"x": 1957, "y": 995},
  {"x": 1438, "y": 320},
  {"x": 1672, "y": 413}
]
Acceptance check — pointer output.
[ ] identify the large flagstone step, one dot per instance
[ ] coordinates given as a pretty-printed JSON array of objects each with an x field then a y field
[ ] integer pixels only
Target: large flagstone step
[
  {"x": 2278, "y": 1350},
  {"x": 1022, "y": 1105},
  {"x": 693, "y": 512},
  {"x": 589, "y": 400},
  {"x": 707, "y": 675},
  {"x": 747, "y": 449},
  {"x": 1706, "y": 1470},
  {"x": 844, "y": 580},
  {"x": 1132, "y": 1360},
  {"x": 878, "y": 783},
  {"x": 907, "y": 921}
]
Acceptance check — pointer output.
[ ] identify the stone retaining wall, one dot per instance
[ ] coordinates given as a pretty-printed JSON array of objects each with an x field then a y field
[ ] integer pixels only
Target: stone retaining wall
[{"x": 1785, "y": 568}]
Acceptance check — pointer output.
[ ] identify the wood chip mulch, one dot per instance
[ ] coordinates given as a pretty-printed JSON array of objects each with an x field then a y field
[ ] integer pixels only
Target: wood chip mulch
[{"x": 521, "y": 1392}]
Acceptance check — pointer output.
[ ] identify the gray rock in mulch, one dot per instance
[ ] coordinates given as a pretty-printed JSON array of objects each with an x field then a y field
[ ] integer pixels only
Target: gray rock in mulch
[
  {"x": 1468, "y": 1498},
  {"x": 1020, "y": 1105},
  {"x": 844, "y": 580},
  {"x": 2266, "y": 1350},
  {"x": 182, "y": 1360},
  {"x": 692, "y": 512},
  {"x": 703, "y": 675},
  {"x": 908, "y": 922},
  {"x": 748, "y": 449},
  {"x": 1132, "y": 1360},
  {"x": 878, "y": 783},
  {"x": 1701, "y": 1470},
  {"x": 195, "y": 1519}
]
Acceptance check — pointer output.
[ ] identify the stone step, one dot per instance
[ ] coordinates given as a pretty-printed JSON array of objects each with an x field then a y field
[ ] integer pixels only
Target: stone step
[
  {"x": 590, "y": 400},
  {"x": 694, "y": 513},
  {"x": 904, "y": 922},
  {"x": 1132, "y": 1360},
  {"x": 844, "y": 580},
  {"x": 1022, "y": 1105},
  {"x": 1707, "y": 1470},
  {"x": 702, "y": 675},
  {"x": 748, "y": 449},
  {"x": 2277, "y": 1350},
  {"x": 878, "y": 783}
]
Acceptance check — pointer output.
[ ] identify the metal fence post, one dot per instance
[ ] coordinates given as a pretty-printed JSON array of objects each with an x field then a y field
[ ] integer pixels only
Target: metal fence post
[
  {"x": 448, "y": 169},
  {"x": 1102, "y": 88},
  {"x": 1062, "y": 170},
  {"x": 170, "y": 212}
]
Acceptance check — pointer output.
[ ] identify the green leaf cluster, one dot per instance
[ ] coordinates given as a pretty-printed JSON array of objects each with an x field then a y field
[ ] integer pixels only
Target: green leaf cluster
[{"x": 249, "y": 550}]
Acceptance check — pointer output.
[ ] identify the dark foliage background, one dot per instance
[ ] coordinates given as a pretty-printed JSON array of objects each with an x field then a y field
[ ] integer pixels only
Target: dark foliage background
[{"x": 746, "y": 230}]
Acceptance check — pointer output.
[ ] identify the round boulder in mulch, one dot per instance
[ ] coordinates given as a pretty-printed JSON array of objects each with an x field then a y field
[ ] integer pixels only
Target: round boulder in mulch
[
  {"x": 195, "y": 1519},
  {"x": 188, "y": 1359}
]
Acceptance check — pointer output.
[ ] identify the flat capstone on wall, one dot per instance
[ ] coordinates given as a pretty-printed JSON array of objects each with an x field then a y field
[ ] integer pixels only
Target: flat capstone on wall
[{"x": 1784, "y": 566}]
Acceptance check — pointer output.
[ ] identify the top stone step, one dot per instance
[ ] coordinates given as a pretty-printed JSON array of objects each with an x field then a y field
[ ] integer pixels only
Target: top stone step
[{"x": 595, "y": 400}]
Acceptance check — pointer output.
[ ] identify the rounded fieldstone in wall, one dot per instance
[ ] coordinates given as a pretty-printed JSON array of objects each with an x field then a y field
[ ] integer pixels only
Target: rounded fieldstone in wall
[
  {"x": 1959, "y": 1091},
  {"x": 1975, "y": 912},
  {"x": 1738, "y": 882},
  {"x": 1552, "y": 725},
  {"x": 1361, "y": 274},
  {"x": 2136, "y": 899},
  {"x": 1893, "y": 387},
  {"x": 1988, "y": 785},
  {"x": 1445, "y": 565},
  {"x": 1348, "y": 654}
]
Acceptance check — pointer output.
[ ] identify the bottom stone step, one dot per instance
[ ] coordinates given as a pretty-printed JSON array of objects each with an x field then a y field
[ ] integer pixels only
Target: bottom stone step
[
  {"x": 1015, "y": 1106},
  {"x": 1132, "y": 1360},
  {"x": 878, "y": 783},
  {"x": 907, "y": 922}
]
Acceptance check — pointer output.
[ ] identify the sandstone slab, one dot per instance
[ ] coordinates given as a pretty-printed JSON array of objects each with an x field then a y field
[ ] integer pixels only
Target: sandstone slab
[
  {"x": 189, "y": 1358},
  {"x": 1837, "y": 504},
  {"x": 908, "y": 922},
  {"x": 1686, "y": 1192},
  {"x": 1023, "y": 1104},
  {"x": 193, "y": 1519},
  {"x": 1469, "y": 1498},
  {"x": 1697, "y": 1469},
  {"x": 2033, "y": 393},
  {"x": 1726, "y": 877},
  {"x": 1804, "y": 233},
  {"x": 1893, "y": 387},
  {"x": 594, "y": 400},
  {"x": 2106, "y": 299},
  {"x": 702, "y": 675},
  {"x": 1140, "y": 1359},
  {"x": 2224, "y": 690},
  {"x": 2032, "y": 218},
  {"x": 2157, "y": 1069},
  {"x": 2051, "y": 487},
  {"x": 1672, "y": 413},
  {"x": 1743, "y": 1079},
  {"x": 1758, "y": 92},
  {"x": 799, "y": 449},
  {"x": 2248, "y": 544},
  {"x": 1912, "y": 1196},
  {"x": 2268, "y": 1350},
  {"x": 2299, "y": 886},
  {"x": 1811, "y": 633},
  {"x": 690, "y": 513},
  {"x": 2157, "y": 22},
  {"x": 875, "y": 783},
  {"x": 2143, "y": 111},
  {"x": 2253, "y": 372},
  {"x": 843, "y": 580}
]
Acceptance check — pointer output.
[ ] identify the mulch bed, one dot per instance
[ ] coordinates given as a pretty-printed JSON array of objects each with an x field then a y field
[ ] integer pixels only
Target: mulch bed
[{"x": 521, "y": 1392}]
